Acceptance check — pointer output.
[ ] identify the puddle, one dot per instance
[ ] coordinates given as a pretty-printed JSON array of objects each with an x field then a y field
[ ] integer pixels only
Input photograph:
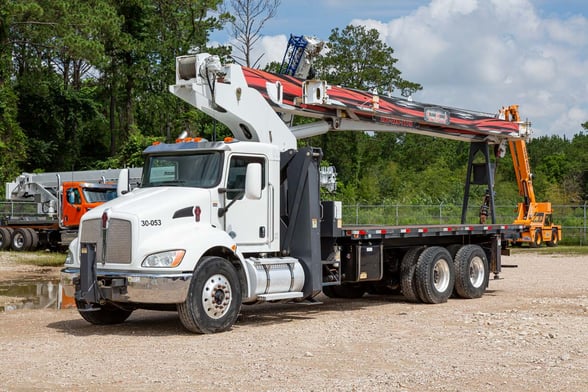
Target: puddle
[{"x": 29, "y": 295}]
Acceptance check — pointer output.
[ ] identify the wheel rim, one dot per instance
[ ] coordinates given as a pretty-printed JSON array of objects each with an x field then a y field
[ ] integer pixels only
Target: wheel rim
[
  {"x": 441, "y": 275},
  {"x": 477, "y": 272},
  {"x": 216, "y": 296},
  {"x": 18, "y": 240}
]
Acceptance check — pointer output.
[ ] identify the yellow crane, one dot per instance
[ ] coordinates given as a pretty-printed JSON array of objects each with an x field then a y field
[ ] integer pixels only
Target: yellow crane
[{"x": 535, "y": 216}]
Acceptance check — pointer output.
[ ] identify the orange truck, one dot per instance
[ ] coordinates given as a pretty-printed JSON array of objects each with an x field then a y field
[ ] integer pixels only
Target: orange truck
[
  {"x": 42, "y": 211},
  {"x": 535, "y": 216}
]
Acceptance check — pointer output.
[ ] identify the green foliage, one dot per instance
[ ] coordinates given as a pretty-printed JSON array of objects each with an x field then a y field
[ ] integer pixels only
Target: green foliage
[
  {"x": 12, "y": 139},
  {"x": 131, "y": 155},
  {"x": 358, "y": 58}
]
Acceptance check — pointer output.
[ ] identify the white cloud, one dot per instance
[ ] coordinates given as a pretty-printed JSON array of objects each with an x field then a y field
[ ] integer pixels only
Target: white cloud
[
  {"x": 273, "y": 48},
  {"x": 486, "y": 54}
]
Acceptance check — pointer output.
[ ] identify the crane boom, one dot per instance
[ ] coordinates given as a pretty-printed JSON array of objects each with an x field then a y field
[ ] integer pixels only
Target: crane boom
[{"x": 256, "y": 106}]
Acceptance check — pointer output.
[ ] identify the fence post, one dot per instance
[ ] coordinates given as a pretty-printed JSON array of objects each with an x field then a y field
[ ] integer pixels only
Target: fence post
[
  {"x": 584, "y": 239},
  {"x": 441, "y": 213},
  {"x": 357, "y": 213},
  {"x": 396, "y": 214}
]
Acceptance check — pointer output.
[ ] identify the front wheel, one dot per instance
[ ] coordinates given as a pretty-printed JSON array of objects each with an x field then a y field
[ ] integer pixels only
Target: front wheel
[
  {"x": 537, "y": 239},
  {"x": 214, "y": 297}
]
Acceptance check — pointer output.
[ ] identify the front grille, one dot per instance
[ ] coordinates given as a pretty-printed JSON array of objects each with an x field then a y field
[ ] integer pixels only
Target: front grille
[{"x": 118, "y": 239}]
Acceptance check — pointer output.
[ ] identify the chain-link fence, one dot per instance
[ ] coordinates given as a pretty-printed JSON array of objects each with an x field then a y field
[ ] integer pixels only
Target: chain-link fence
[{"x": 573, "y": 218}]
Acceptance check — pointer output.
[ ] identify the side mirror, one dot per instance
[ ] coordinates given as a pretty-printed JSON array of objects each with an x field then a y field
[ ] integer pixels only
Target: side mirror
[
  {"x": 122, "y": 185},
  {"x": 253, "y": 181}
]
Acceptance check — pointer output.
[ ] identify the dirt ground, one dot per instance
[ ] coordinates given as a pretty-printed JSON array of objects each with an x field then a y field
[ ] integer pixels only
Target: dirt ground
[{"x": 528, "y": 333}]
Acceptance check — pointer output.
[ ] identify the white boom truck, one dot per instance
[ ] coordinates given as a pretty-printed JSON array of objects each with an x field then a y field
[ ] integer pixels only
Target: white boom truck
[{"x": 215, "y": 225}]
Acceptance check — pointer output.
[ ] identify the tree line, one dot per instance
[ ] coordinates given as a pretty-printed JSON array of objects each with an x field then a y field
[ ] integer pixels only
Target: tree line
[{"x": 83, "y": 85}]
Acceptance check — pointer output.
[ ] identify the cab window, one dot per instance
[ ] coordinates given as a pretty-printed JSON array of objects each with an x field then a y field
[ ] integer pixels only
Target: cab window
[
  {"x": 237, "y": 173},
  {"x": 73, "y": 196}
]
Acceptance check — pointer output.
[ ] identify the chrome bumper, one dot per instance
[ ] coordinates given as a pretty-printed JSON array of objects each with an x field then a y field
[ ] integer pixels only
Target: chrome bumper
[{"x": 146, "y": 288}]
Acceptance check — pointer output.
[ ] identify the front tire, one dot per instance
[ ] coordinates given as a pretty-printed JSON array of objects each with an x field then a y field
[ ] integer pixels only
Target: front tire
[
  {"x": 537, "y": 239},
  {"x": 214, "y": 297},
  {"x": 435, "y": 275},
  {"x": 471, "y": 272}
]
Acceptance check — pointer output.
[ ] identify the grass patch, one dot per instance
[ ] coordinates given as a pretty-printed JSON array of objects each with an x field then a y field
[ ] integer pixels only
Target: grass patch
[
  {"x": 41, "y": 259},
  {"x": 558, "y": 250}
]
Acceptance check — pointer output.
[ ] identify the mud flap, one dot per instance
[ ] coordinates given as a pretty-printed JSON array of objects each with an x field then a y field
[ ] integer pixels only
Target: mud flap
[{"x": 87, "y": 290}]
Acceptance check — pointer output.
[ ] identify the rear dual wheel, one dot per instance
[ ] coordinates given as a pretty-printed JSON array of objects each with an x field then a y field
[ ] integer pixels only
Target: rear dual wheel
[
  {"x": 434, "y": 275},
  {"x": 427, "y": 274},
  {"x": 471, "y": 271},
  {"x": 407, "y": 272},
  {"x": 5, "y": 238},
  {"x": 24, "y": 239}
]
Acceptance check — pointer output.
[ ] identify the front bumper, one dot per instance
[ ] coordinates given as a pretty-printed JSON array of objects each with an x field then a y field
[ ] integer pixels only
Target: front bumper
[{"x": 132, "y": 287}]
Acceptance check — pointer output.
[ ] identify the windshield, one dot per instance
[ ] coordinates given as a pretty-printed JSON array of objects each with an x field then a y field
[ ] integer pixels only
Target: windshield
[
  {"x": 538, "y": 218},
  {"x": 200, "y": 170},
  {"x": 96, "y": 195}
]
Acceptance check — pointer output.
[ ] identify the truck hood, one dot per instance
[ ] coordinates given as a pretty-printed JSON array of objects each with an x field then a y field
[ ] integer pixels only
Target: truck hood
[{"x": 155, "y": 203}]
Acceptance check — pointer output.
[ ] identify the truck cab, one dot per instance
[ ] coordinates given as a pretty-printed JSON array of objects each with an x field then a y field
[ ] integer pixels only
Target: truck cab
[
  {"x": 80, "y": 197},
  {"x": 199, "y": 202}
]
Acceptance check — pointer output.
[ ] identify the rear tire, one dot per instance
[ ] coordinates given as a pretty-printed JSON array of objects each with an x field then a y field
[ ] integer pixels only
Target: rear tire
[
  {"x": 407, "y": 272},
  {"x": 471, "y": 272},
  {"x": 21, "y": 239},
  {"x": 435, "y": 275},
  {"x": 105, "y": 315},
  {"x": 5, "y": 238},
  {"x": 34, "y": 238},
  {"x": 214, "y": 297}
]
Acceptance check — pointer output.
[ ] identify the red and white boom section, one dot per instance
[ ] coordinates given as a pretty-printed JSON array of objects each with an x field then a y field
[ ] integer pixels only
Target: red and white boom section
[{"x": 258, "y": 106}]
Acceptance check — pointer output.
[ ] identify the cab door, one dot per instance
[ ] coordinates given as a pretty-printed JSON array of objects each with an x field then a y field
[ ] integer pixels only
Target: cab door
[
  {"x": 247, "y": 220},
  {"x": 71, "y": 206}
]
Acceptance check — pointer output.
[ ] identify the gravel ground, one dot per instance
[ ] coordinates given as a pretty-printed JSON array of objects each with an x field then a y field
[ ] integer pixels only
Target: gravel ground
[{"x": 528, "y": 333}]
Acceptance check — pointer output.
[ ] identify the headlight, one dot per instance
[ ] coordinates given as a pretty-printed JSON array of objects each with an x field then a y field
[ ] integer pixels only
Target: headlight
[
  {"x": 69, "y": 259},
  {"x": 171, "y": 258}
]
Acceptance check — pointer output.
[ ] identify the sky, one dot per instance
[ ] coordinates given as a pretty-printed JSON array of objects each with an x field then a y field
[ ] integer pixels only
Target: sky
[{"x": 472, "y": 54}]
